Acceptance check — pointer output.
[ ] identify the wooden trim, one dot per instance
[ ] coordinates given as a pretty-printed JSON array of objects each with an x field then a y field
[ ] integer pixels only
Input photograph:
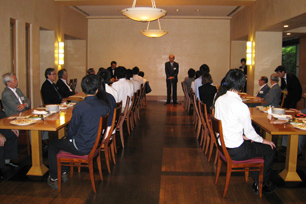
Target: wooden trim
[
  {"x": 28, "y": 59},
  {"x": 13, "y": 46}
]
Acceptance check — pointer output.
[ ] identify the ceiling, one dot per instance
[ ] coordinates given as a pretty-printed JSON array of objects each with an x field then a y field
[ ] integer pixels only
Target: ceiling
[{"x": 182, "y": 8}]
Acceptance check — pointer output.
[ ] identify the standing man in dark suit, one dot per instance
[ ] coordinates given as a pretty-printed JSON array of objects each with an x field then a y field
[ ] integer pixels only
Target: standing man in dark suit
[
  {"x": 292, "y": 84},
  {"x": 112, "y": 70},
  {"x": 49, "y": 90},
  {"x": 13, "y": 100},
  {"x": 264, "y": 87},
  {"x": 64, "y": 89},
  {"x": 172, "y": 70}
]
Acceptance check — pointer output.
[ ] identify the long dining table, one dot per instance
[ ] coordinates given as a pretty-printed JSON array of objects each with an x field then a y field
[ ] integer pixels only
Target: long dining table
[
  {"x": 261, "y": 119},
  {"x": 249, "y": 99},
  {"x": 75, "y": 97},
  {"x": 56, "y": 122}
]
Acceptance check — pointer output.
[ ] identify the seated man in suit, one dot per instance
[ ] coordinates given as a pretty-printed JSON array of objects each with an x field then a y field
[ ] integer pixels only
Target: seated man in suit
[
  {"x": 112, "y": 71},
  {"x": 8, "y": 146},
  {"x": 49, "y": 90},
  {"x": 63, "y": 88},
  {"x": 264, "y": 87},
  {"x": 82, "y": 130},
  {"x": 13, "y": 100},
  {"x": 274, "y": 95}
]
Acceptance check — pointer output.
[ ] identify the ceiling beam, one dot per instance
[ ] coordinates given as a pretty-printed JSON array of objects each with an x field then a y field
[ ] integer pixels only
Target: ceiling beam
[{"x": 158, "y": 2}]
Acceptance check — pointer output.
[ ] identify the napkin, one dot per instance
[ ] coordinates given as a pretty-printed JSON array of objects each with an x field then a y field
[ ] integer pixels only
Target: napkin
[{"x": 282, "y": 117}]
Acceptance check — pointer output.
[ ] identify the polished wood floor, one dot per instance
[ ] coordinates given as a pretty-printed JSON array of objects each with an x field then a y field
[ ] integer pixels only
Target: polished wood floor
[{"x": 162, "y": 163}]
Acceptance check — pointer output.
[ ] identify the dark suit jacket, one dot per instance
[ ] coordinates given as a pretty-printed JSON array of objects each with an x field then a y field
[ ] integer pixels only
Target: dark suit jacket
[
  {"x": 63, "y": 89},
  {"x": 49, "y": 94},
  {"x": 10, "y": 101},
  {"x": 172, "y": 71},
  {"x": 263, "y": 91},
  {"x": 207, "y": 93},
  {"x": 111, "y": 72},
  {"x": 273, "y": 96},
  {"x": 294, "y": 89}
]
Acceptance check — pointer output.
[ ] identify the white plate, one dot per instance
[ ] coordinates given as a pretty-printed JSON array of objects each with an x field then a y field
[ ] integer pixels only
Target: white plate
[
  {"x": 298, "y": 126},
  {"x": 23, "y": 122},
  {"x": 63, "y": 107},
  {"x": 282, "y": 117}
]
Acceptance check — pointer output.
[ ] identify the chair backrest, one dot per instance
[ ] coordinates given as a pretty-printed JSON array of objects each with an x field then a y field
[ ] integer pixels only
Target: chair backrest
[
  {"x": 101, "y": 130},
  {"x": 126, "y": 109},
  {"x": 208, "y": 123},
  {"x": 114, "y": 123},
  {"x": 119, "y": 104},
  {"x": 218, "y": 132},
  {"x": 196, "y": 105},
  {"x": 42, "y": 99}
]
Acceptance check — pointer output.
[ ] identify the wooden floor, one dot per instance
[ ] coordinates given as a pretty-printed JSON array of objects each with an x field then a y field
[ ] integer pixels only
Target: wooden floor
[{"x": 162, "y": 163}]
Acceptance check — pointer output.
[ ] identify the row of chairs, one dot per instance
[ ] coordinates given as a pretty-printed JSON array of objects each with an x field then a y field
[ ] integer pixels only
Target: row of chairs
[
  {"x": 209, "y": 133},
  {"x": 106, "y": 139}
]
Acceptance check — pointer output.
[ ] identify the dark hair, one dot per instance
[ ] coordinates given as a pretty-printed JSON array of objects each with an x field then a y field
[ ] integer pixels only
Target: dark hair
[
  {"x": 141, "y": 74},
  {"x": 121, "y": 72},
  {"x": 191, "y": 73},
  {"x": 113, "y": 62},
  {"x": 280, "y": 68},
  {"x": 206, "y": 79},
  {"x": 222, "y": 89},
  {"x": 61, "y": 73},
  {"x": 129, "y": 74},
  {"x": 90, "y": 84},
  {"x": 243, "y": 60},
  {"x": 198, "y": 74},
  {"x": 235, "y": 80},
  {"x": 103, "y": 75},
  {"x": 135, "y": 70},
  {"x": 265, "y": 79},
  {"x": 49, "y": 71},
  {"x": 90, "y": 71},
  {"x": 204, "y": 68}
]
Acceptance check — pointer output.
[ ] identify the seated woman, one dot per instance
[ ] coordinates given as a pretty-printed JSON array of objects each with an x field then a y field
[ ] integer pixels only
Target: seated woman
[
  {"x": 188, "y": 80},
  {"x": 207, "y": 91}
]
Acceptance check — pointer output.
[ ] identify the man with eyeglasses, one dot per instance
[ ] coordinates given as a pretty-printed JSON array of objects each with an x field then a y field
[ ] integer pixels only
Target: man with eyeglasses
[
  {"x": 49, "y": 90},
  {"x": 264, "y": 87}
]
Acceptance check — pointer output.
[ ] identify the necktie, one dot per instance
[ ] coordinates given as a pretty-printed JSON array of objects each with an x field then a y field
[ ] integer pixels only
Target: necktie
[{"x": 59, "y": 96}]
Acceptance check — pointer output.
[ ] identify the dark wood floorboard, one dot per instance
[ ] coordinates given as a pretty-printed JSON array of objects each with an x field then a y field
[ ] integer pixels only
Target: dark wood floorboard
[{"x": 161, "y": 163}]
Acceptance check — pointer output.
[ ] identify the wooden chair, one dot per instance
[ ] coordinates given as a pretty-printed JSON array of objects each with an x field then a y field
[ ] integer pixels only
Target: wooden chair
[
  {"x": 118, "y": 104},
  {"x": 213, "y": 142},
  {"x": 205, "y": 137},
  {"x": 121, "y": 121},
  {"x": 198, "y": 124},
  {"x": 108, "y": 142},
  {"x": 130, "y": 115},
  {"x": 284, "y": 93},
  {"x": 254, "y": 164},
  {"x": 67, "y": 159}
]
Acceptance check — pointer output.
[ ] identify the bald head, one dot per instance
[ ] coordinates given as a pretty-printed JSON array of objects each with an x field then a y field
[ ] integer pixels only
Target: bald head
[{"x": 171, "y": 58}]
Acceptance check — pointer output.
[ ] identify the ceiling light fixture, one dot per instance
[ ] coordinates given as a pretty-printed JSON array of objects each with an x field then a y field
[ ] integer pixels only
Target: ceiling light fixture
[
  {"x": 144, "y": 13},
  {"x": 286, "y": 26},
  {"x": 288, "y": 33},
  {"x": 154, "y": 33}
]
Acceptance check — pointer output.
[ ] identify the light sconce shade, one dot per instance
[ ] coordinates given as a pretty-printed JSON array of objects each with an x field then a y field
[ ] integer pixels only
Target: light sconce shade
[
  {"x": 249, "y": 53},
  {"x": 154, "y": 33},
  {"x": 60, "y": 53},
  {"x": 144, "y": 13}
]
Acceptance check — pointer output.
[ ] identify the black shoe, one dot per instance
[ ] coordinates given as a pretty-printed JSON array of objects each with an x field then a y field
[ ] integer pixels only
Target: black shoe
[
  {"x": 12, "y": 164},
  {"x": 175, "y": 103},
  {"x": 267, "y": 189},
  {"x": 167, "y": 103}
]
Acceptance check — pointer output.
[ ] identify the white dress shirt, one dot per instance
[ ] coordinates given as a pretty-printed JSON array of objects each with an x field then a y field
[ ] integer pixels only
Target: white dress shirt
[
  {"x": 112, "y": 91},
  {"x": 139, "y": 79},
  {"x": 124, "y": 88},
  {"x": 65, "y": 82},
  {"x": 136, "y": 84},
  {"x": 197, "y": 84},
  {"x": 236, "y": 120}
]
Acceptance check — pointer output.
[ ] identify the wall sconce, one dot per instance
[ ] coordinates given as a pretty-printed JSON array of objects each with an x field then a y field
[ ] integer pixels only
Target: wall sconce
[
  {"x": 249, "y": 53},
  {"x": 60, "y": 53}
]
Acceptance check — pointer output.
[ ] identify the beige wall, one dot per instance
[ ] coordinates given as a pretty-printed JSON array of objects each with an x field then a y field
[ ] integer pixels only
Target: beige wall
[
  {"x": 193, "y": 42},
  {"x": 238, "y": 51},
  {"x": 39, "y": 14},
  {"x": 262, "y": 16}
]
